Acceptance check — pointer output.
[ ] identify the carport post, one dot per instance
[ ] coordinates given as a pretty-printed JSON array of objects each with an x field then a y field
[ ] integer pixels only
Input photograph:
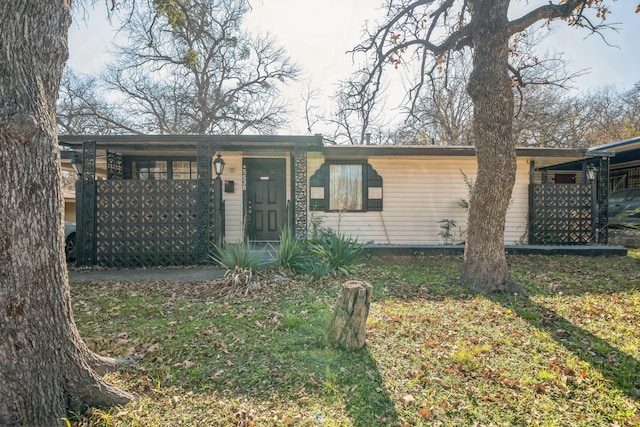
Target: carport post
[
  {"x": 603, "y": 200},
  {"x": 86, "y": 207},
  {"x": 218, "y": 164}
]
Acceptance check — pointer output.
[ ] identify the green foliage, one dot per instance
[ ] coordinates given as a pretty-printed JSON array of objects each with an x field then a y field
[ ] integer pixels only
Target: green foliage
[
  {"x": 568, "y": 355},
  {"x": 338, "y": 252},
  {"x": 466, "y": 356},
  {"x": 317, "y": 228},
  {"x": 291, "y": 321},
  {"x": 464, "y": 203},
  {"x": 172, "y": 10},
  {"x": 236, "y": 256},
  {"x": 191, "y": 58},
  {"x": 447, "y": 227},
  {"x": 618, "y": 221},
  {"x": 316, "y": 270},
  {"x": 328, "y": 254},
  {"x": 292, "y": 252}
]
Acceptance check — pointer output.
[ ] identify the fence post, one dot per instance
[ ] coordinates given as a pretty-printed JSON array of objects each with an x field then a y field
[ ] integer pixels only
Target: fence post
[{"x": 86, "y": 223}]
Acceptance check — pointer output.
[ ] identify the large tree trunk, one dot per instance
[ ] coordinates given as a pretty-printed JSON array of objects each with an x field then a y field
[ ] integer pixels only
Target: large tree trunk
[
  {"x": 45, "y": 368},
  {"x": 485, "y": 265}
]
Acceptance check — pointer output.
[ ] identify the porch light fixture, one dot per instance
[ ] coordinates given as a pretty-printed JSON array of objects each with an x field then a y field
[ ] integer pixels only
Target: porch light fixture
[
  {"x": 218, "y": 164},
  {"x": 76, "y": 164},
  {"x": 591, "y": 172}
]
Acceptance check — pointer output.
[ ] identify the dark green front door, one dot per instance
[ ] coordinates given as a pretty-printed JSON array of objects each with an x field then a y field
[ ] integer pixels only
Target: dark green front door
[{"x": 266, "y": 204}]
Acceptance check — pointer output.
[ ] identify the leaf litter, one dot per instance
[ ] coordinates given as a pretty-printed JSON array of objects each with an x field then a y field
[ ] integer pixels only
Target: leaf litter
[{"x": 436, "y": 354}]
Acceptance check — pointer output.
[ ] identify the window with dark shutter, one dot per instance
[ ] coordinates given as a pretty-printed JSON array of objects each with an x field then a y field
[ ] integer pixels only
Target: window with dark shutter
[{"x": 345, "y": 186}]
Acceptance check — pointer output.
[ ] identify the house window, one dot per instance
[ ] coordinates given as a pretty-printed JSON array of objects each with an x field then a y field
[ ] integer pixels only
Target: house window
[
  {"x": 345, "y": 186},
  {"x": 149, "y": 169},
  {"x": 184, "y": 169},
  {"x": 565, "y": 178},
  {"x": 145, "y": 169}
]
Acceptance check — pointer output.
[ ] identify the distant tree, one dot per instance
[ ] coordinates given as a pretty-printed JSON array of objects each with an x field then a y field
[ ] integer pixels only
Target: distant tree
[
  {"x": 313, "y": 114},
  {"x": 423, "y": 32},
  {"x": 358, "y": 113},
  {"x": 631, "y": 101},
  {"x": 546, "y": 117},
  {"x": 609, "y": 115},
  {"x": 441, "y": 114},
  {"x": 191, "y": 68},
  {"x": 46, "y": 369},
  {"x": 82, "y": 108},
  {"x": 443, "y": 111}
]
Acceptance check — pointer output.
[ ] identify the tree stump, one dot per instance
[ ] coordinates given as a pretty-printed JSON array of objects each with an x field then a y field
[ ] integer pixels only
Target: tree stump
[{"x": 348, "y": 327}]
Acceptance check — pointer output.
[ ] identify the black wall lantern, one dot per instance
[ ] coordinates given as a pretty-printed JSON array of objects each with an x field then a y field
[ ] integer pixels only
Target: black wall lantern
[
  {"x": 218, "y": 165},
  {"x": 76, "y": 164},
  {"x": 591, "y": 172}
]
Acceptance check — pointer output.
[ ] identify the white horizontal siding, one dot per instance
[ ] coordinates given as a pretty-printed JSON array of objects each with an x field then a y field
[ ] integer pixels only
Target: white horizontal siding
[
  {"x": 417, "y": 194},
  {"x": 233, "y": 201},
  {"x": 516, "y": 227}
]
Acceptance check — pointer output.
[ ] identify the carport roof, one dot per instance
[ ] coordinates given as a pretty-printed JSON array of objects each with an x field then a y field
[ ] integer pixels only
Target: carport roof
[
  {"x": 619, "y": 153},
  {"x": 183, "y": 145},
  {"x": 623, "y": 151},
  {"x": 186, "y": 145}
]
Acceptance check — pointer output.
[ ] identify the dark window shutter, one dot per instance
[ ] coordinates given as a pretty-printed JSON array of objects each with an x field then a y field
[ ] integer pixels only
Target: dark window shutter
[
  {"x": 374, "y": 181},
  {"x": 318, "y": 180}
]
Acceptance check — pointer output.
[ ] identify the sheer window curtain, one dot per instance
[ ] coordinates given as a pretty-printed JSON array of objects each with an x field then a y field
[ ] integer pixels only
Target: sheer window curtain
[{"x": 345, "y": 183}]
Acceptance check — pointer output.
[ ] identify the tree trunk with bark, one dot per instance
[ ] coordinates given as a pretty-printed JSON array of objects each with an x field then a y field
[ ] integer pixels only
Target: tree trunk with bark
[
  {"x": 45, "y": 368},
  {"x": 485, "y": 265},
  {"x": 349, "y": 324}
]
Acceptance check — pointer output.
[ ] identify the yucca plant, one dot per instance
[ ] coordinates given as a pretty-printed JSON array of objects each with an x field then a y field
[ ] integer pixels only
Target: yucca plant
[
  {"x": 337, "y": 252},
  {"x": 236, "y": 255},
  {"x": 292, "y": 252},
  {"x": 314, "y": 269},
  {"x": 619, "y": 220},
  {"x": 237, "y": 259}
]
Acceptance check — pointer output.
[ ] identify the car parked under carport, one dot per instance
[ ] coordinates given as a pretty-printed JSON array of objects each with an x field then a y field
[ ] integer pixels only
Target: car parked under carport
[
  {"x": 70, "y": 241},
  {"x": 624, "y": 207}
]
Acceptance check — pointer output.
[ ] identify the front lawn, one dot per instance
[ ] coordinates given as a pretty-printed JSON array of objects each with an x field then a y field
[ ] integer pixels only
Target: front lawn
[{"x": 436, "y": 354}]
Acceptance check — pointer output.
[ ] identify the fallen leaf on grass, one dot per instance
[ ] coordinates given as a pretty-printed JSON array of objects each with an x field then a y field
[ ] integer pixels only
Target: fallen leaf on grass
[
  {"x": 425, "y": 413},
  {"x": 185, "y": 364},
  {"x": 408, "y": 399},
  {"x": 153, "y": 347}
]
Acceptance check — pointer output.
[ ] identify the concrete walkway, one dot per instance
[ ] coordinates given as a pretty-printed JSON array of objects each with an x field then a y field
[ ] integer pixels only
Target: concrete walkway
[
  {"x": 207, "y": 272},
  {"x": 187, "y": 274}
]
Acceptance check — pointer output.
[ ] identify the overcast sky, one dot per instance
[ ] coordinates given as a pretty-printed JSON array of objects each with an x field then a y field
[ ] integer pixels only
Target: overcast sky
[{"x": 317, "y": 35}]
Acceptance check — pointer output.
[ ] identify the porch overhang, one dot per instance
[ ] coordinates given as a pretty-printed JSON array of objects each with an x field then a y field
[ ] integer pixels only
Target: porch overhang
[
  {"x": 179, "y": 145},
  {"x": 542, "y": 157},
  {"x": 186, "y": 145}
]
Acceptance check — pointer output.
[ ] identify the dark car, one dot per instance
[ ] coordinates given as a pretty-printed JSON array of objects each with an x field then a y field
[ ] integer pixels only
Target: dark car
[
  {"x": 624, "y": 207},
  {"x": 70, "y": 241}
]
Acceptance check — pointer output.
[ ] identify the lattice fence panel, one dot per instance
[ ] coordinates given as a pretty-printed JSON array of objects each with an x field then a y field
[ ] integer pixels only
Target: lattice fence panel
[
  {"x": 146, "y": 223},
  {"x": 560, "y": 214}
]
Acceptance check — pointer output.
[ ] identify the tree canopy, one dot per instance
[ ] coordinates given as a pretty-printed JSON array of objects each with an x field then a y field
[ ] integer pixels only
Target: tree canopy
[
  {"x": 186, "y": 67},
  {"x": 424, "y": 34}
]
